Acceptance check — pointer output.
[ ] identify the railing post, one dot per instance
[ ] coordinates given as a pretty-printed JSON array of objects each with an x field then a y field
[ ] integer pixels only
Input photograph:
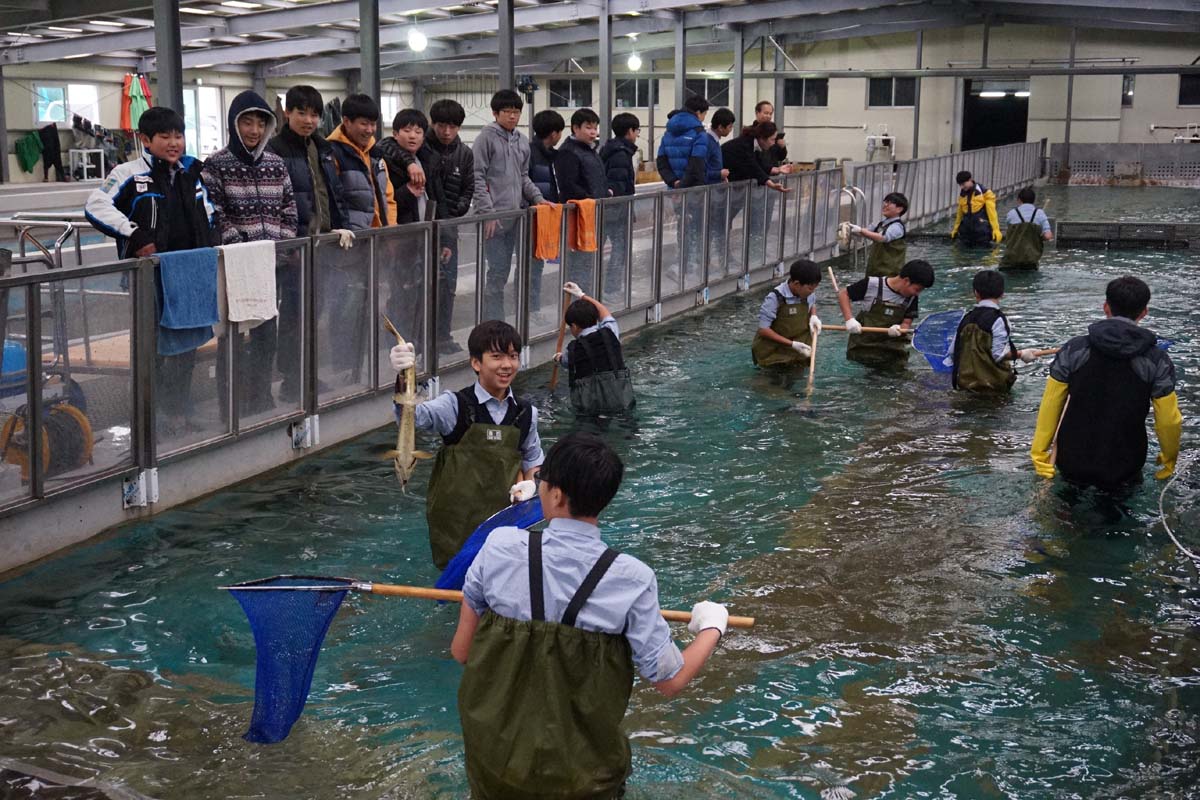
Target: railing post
[{"x": 33, "y": 378}]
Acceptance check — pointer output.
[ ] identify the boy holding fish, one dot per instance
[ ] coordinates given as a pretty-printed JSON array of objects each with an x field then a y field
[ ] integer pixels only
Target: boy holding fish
[{"x": 491, "y": 448}]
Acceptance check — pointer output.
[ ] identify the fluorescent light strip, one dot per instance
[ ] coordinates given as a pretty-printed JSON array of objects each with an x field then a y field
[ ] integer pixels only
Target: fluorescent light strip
[
  {"x": 1021, "y": 94},
  {"x": 204, "y": 11},
  {"x": 107, "y": 22},
  {"x": 64, "y": 30},
  {"x": 241, "y": 4},
  {"x": 992, "y": 95}
]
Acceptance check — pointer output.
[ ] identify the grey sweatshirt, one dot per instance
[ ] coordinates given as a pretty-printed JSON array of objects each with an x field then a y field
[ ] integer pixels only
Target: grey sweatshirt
[{"x": 502, "y": 171}]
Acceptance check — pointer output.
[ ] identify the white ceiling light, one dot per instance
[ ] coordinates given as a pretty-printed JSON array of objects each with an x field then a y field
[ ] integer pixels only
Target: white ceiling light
[
  {"x": 241, "y": 4},
  {"x": 1024, "y": 93},
  {"x": 190, "y": 10},
  {"x": 64, "y": 30},
  {"x": 635, "y": 62},
  {"x": 992, "y": 95},
  {"x": 416, "y": 40},
  {"x": 113, "y": 23}
]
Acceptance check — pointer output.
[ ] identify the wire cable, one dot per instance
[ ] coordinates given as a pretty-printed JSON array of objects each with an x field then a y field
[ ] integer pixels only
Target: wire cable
[{"x": 1162, "y": 515}]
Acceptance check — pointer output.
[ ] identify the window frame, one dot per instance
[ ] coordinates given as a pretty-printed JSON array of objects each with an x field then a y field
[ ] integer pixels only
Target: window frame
[
  {"x": 571, "y": 85},
  {"x": 689, "y": 92},
  {"x": 1179, "y": 95},
  {"x": 651, "y": 91},
  {"x": 64, "y": 87},
  {"x": 1127, "y": 89},
  {"x": 892, "y": 104},
  {"x": 803, "y": 90}
]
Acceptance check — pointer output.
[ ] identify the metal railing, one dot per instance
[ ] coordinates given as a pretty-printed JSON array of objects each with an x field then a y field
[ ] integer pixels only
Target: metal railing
[{"x": 434, "y": 280}]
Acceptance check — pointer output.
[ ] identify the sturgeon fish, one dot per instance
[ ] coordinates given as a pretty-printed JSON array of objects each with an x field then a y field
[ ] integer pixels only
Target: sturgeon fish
[{"x": 405, "y": 456}]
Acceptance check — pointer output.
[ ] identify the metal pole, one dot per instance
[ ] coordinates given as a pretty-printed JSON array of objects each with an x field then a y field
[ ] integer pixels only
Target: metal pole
[
  {"x": 653, "y": 101},
  {"x": 917, "y": 97},
  {"x": 368, "y": 48},
  {"x": 4, "y": 176},
  {"x": 680, "y": 61},
  {"x": 987, "y": 34},
  {"x": 606, "y": 79},
  {"x": 780, "y": 83},
  {"x": 1070, "y": 100},
  {"x": 418, "y": 101},
  {"x": 168, "y": 56},
  {"x": 506, "y": 44},
  {"x": 739, "y": 74},
  {"x": 259, "y": 83}
]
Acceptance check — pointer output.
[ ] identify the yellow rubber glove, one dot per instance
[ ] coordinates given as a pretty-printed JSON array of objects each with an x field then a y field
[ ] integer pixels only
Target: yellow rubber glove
[
  {"x": 989, "y": 204},
  {"x": 1049, "y": 413},
  {"x": 1168, "y": 424},
  {"x": 997, "y": 236},
  {"x": 958, "y": 215}
]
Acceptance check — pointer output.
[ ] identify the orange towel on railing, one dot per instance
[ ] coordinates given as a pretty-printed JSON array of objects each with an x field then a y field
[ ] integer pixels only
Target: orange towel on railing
[
  {"x": 547, "y": 227},
  {"x": 581, "y": 226}
]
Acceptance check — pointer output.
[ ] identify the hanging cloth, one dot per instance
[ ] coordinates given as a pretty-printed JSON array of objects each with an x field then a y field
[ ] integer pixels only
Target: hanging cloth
[{"x": 139, "y": 101}]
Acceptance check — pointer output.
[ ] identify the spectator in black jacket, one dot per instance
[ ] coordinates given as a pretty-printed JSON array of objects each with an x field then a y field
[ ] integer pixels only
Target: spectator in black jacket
[
  {"x": 320, "y": 208},
  {"x": 617, "y": 156},
  {"x": 580, "y": 175},
  {"x": 548, "y": 128},
  {"x": 408, "y": 140},
  {"x": 453, "y": 169},
  {"x": 741, "y": 155}
]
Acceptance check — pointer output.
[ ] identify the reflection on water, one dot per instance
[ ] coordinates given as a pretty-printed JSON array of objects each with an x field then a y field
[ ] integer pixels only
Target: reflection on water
[{"x": 933, "y": 620}]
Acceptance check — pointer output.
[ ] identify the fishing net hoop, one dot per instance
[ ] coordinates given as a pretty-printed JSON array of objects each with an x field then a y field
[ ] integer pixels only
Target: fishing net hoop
[{"x": 1162, "y": 512}]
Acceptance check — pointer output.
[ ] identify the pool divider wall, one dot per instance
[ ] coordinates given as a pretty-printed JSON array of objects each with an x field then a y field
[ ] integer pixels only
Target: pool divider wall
[{"x": 747, "y": 235}]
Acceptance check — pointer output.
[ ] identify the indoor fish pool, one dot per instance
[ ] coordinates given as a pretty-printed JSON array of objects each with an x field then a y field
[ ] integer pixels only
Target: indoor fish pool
[{"x": 933, "y": 620}]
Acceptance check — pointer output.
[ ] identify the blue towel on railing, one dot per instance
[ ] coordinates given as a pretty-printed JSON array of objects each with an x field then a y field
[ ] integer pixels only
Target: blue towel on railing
[{"x": 187, "y": 285}]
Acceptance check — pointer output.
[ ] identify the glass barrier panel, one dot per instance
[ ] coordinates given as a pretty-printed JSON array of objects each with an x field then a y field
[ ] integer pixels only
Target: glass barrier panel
[
  {"x": 543, "y": 293},
  {"x": 501, "y": 251},
  {"x": 581, "y": 264},
  {"x": 737, "y": 228},
  {"x": 776, "y": 203},
  {"x": 672, "y": 229},
  {"x": 694, "y": 234},
  {"x": 756, "y": 229},
  {"x": 14, "y": 395},
  {"x": 401, "y": 292},
  {"x": 805, "y": 211},
  {"x": 791, "y": 217},
  {"x": 291, "y": 331},
  {"x": 822, "y": 209},
  {"x": 88, "y": 395},
  {"x": 833, "y": 217},
  {"x": 343, "y": 318},
  {"x": 645, "y": 218},
  {"x": 718, "y": 231},
  {"x": 614, "y": 253},
  {"x": 457, "y": 289}
]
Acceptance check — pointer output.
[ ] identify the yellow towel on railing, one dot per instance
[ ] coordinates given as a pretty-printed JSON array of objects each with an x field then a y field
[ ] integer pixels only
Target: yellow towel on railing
[
  {"x": 547, "y": 225},
  {"x": 581, "y": 226}
]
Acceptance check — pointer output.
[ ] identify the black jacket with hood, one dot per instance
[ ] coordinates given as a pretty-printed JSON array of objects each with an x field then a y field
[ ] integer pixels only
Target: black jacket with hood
[
  {"x": 617, "y": 156},
  {"x": 579, "y": 172}
]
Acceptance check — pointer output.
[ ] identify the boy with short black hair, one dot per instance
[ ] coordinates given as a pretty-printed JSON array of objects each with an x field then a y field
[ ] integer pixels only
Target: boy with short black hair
[
  {"x": 1101, "y": 387},
  {"x": 370, "y": 202},
  {"x": 977, "y": 209},
  {"x": 408, "y": 141},
  {"x": 617, "y": 155},
  {"x": 982, "y": 353},
  {"x": 555, "y": 623},
  {"x": 683, "y": 150},
  {"x": 502, "y": 184},
  {"x": 722, "y": 125},
  {"x": 787, "y": 319},
  {"x": 491, "y": 448},
  {"x": 889, "y": 250},
  {"x": 1028, "y": 232},
  {"x": 581, "y": 176},
  {"x": 599, "y": 380},
  {"x": 883, "y": 302},
  {"x": 548, "y": 127},
  {"x": 452, "y": 168}
]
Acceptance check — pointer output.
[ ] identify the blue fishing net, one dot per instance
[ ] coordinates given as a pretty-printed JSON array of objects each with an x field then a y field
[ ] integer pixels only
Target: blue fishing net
[
  {"x": 518, "y": 515},
  {"x": 934, "y": 338},
  {"x": 289, "y": 624}
]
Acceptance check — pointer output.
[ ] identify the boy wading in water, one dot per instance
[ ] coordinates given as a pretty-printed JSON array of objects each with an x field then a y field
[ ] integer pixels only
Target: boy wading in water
[
  {"x": 552, "y": 626},
  {"x": 1028, "y": 232},
  {"x": 788, "y": 319},
  {"x": 887, "y": 254},
  {"x": 983, "y": 352}
]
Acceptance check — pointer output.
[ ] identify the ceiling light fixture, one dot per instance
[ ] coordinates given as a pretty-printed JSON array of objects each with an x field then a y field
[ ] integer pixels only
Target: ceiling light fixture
[
  {"x": 417, "y": 41},
  {"x": 1024, "y": 93},
  {"x": 113, "y": 23},
  {"x": 992, "y": 95},
  {"x": 241, "y": 4},
  {"x": 198, "y": 11},
  {"x": 635, "y": 62},
  {"x": 64, "y": 30}
]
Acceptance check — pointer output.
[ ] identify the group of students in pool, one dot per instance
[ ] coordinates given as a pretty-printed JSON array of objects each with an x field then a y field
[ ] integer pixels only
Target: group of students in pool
[{"x": 554, "y": 623}]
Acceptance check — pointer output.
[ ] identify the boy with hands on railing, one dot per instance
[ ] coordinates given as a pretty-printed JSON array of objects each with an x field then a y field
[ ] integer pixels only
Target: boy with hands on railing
[{"x": 599, "y": 381}]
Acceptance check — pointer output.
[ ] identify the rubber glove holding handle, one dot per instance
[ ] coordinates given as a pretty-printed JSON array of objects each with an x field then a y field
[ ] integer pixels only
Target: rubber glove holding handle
[
  {"x": 814, "y": 325},
  {"x": 522, "y": 491},
  {"x": 1028, "y": 356},
  {"x": 707, "y": 614},
  {"x": 853, "y": 327},
  {"x": 403, "y": 356},
  {"x": 802, "y": 349}
]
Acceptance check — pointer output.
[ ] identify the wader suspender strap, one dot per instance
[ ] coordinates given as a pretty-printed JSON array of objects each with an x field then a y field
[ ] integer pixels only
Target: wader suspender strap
[
  {"x": 1018, "y": 210},
  {"x": 1012, "y": 348},
  {"x": 588, "y": 586},
  {"x": 537, "y": 600},
  {"x": 883, "y": 225}
]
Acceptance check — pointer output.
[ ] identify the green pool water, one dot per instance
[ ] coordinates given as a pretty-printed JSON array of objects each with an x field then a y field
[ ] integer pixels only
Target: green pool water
[{"x": 933, "y": 620}]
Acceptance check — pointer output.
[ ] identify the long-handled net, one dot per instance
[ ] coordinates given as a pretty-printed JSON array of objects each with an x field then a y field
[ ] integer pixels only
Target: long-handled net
[
  {"x": 518, "y": 515},
  {"x": 934, "y": 338}
]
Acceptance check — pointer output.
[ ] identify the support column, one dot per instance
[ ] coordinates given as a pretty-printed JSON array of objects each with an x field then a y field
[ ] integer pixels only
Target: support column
[
  {"x": 739, "y": 76},
  {"x": 368, "y": 48},
  {"x": 780, "y": 86},
  {"x": 506, "y": 44},
  {"x": 604, "y": 110},
  {"x": 987, "y": 35},
  {"x": 917, "y": 96},
  {"x": 1070, "y": 99},
  {"x": 680, "y": 61},
  {"x": 418, "y": 91},
  {"x": 168, "y": 56},
  {"x": 259, "y": 82},
  {"x": 4, "y": 174}
]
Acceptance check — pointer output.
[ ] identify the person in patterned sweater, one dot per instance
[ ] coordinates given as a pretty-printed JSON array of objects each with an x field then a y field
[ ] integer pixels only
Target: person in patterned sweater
[{"x": 252, "y": 193}]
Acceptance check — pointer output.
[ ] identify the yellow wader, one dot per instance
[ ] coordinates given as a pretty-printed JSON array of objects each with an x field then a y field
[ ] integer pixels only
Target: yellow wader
[{"x": 791, "y": 322}]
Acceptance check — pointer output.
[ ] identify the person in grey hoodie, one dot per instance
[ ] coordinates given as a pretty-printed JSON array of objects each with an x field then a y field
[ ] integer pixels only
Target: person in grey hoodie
[{"x": 502, "y": 183}]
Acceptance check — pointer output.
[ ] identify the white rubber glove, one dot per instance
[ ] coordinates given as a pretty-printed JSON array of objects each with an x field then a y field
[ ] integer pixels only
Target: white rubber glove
[
  {"x": 345, "y": 238},
  {"x": 814, "y": 325},
  {"x": 853, "y": 327},
  {"x": 558, "y": 356},
  {"x": 707, "y": 614},
  {"x": 894, "y": 331},
  {"x": 403, "y": 356},
  {"x": 572, "y": 288},
  {"x": 1028, "y": 356},
  {"x": 802, "y": 349},
  {"x": 855, "y": 228},
  {"x": 522, "y": 491}
]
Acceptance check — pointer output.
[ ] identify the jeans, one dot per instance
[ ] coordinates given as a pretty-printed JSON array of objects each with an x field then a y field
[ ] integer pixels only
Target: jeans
[
  {"x": 447, "y": 288},
  {"x": 256, "y": 354},
  {"x": 498, "y": 252},
  {"x": 616, "y": 233}
]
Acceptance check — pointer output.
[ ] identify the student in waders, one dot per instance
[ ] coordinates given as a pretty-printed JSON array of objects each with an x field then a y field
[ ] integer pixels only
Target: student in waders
[
  {"x": 600, "y": 383},
  {"x": 491, "y": 449},
  {"x": 983, "y": 351},
  {"x": 975, "y": 223},
  {"x": 889, "y": 251},
  {"x": 552, "y": 627},
  {"x": 1028, "y": 232},
  {"x": 883, "y": 303},
  {"x": 1101, "y": 387},
  {"x": 788, "y": 319}
]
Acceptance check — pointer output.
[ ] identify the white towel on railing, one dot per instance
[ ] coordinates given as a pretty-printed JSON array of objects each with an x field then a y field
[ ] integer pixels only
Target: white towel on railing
[{"x": 246, "y": 284}]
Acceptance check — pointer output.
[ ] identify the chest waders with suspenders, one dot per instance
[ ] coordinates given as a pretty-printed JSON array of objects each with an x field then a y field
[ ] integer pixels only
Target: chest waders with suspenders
[
  {"x": 885, "y": 259},
  {"x": 477, "y": 464},
  {"x": 974, "y": 368},
  {"x": 541, "y": 702},
  {"x": 599, "y": 381},
  {"x": 791, "y": 322},
  {"x": 975, "y": 229},
  {"x": 1023, "y": 243},
  {"x": 879, "y": 349}
]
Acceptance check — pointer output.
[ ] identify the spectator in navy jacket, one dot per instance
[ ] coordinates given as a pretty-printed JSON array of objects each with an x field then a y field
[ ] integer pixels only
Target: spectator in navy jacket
[
  {"x": 617, "y": 156},
  {"x": 580, "y": 174},
  {"x": 548, "y": 128}
]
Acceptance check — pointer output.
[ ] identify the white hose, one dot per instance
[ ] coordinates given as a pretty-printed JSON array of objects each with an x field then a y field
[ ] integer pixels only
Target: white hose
[{"x": 1162, "y": 514}]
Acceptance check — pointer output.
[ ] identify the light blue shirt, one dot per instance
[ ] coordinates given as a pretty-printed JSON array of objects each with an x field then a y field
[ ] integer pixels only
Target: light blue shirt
[
  {"x": 1031, "y": 213},
  {"x": 770, "y": 304},
  {"x": 441, "y": 414},
  {"x": 625, "y": 601},
  {"x": 999, "y": 336},
  {"x": 607, "y": 322},
  {"x": 895, "y": 230}
]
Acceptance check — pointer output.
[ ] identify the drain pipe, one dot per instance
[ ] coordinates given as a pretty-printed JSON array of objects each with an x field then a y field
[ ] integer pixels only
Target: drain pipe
[{"x": 1070, "y": 98}]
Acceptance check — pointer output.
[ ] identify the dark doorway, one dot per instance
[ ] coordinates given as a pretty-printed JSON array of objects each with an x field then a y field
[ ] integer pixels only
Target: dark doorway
[{"x": 992, "y": 121}]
